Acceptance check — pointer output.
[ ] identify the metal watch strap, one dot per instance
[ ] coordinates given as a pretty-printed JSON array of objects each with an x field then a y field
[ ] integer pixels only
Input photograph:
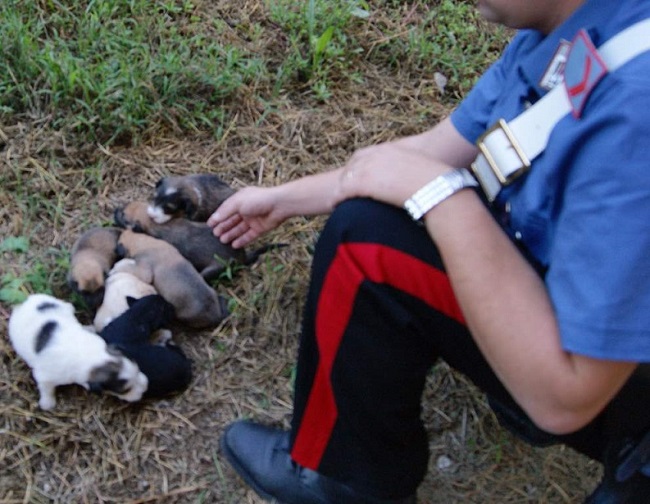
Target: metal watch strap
[{"x": 438, "y": 190}]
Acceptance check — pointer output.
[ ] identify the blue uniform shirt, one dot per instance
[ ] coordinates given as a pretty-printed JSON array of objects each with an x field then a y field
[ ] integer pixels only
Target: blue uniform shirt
[{"x": 583, "y": 210}]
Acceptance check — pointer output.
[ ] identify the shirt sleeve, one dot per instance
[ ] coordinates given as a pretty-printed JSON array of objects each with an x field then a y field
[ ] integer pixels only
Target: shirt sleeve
[
  {"x": 599, "y": 269},
  {"x": 472, "y": 117}
]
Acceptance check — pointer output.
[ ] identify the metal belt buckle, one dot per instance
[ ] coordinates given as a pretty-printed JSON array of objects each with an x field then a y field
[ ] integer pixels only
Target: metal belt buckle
[{"x": 504, "y": 178}]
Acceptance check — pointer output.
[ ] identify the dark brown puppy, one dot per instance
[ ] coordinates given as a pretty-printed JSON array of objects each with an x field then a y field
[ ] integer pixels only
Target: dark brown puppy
[
  {"x": 194, "y": 197},
  {"x": 194, "y": 240},
  {"x": 92, "y": 257},
  {"x": 160, "y": 264}
]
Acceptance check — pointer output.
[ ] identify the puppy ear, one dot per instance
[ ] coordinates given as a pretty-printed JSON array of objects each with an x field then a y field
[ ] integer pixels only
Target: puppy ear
[
  {"x": 73, "y": 284},
  {"x": 188, "y": 206},
  {"x": 95, "y": 387}
]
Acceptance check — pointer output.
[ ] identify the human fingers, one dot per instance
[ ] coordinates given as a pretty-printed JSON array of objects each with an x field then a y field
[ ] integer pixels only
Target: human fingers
[
  {"x": 234, "y": 233},
  {"x": 226, "y": 211},
  {"x": 248, "y": 237},
  {"x": 224, "y": 226}
]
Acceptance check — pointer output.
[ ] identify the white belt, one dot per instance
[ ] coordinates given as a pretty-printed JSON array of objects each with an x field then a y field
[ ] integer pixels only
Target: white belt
[{"x": 508, "y": 148}]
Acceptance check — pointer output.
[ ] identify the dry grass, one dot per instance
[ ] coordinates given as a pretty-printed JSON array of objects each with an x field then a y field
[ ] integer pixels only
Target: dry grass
[{"x": 97, "y": 449}]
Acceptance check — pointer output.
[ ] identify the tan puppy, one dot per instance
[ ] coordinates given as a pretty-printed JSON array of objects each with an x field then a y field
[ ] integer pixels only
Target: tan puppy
[
  {"x": 193, "y": 197},
  {"x": 92, "y": 256},
  {"x": 194, "y": 240},
  {"x": 119, "y": 285},
  {"x": 159, "y": 263}
]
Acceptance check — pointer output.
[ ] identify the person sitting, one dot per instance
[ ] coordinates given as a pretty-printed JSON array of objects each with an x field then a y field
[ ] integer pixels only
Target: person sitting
[{"x": 530, "y": 273}]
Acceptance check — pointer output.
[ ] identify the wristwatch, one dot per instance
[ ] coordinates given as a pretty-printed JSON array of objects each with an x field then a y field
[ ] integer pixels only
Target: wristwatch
[{"x": 438, "y": 190}]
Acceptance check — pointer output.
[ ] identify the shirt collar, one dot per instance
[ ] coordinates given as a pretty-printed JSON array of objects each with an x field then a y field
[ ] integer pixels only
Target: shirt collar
[{"x": 595, "y": 16}]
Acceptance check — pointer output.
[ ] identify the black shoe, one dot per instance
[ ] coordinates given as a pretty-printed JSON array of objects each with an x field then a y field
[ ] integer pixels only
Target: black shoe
[
  {"x": 260, "y": 455},
  {"x": 623, "y": 480},
  {"x": 635, "y": 490}
]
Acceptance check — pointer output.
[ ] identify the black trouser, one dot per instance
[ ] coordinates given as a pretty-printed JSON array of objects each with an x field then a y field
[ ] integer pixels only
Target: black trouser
[{"x": 379, "y": 313}]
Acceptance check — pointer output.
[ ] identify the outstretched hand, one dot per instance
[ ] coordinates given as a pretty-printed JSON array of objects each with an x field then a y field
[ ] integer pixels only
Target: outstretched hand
[{"x": 245, "y": 216}]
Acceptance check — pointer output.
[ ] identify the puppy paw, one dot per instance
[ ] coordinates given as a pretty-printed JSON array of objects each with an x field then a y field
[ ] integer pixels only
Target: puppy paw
[
  {"x": 161, "y": 337},
  {"x": 47, "y": 403}
]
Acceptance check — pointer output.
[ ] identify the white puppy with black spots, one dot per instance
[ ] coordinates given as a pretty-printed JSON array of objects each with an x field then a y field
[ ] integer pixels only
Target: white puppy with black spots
[{"x": 46, "y": 334}]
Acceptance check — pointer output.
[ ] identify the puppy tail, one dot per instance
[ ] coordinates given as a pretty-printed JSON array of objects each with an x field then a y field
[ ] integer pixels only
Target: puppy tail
[{"x": 254, "y": 255}]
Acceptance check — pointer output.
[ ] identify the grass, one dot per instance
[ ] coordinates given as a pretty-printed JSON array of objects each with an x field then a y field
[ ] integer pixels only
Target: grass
[
  {"x": 100, "y": 99},
  {"x": 113, "y": 70},
  {"x": 110, "y": 69}
]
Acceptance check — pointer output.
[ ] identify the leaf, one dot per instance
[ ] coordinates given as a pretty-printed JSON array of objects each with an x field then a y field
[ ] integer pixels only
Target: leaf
[
  {"x": 360, "y": 13},
  {"x": 11, "y": 291},
  {"x": 15, "y": 244},
  {"x": 323, "y": 40}
]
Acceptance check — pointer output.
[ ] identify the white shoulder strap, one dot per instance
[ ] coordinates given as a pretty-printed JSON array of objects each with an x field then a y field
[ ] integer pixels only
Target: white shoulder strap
[{"x": 507, "y": 149}]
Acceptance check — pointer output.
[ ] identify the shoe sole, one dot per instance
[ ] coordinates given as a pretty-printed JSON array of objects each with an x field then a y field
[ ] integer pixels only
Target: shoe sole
[{"x": 234, "y": 461}]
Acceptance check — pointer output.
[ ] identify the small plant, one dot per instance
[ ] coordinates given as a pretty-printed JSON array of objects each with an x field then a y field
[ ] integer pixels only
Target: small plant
[
  {"x": 14, "y": 288},
  {"x": 321, "y": 46}
]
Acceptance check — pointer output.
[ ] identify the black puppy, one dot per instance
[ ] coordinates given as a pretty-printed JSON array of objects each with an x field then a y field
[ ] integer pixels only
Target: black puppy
[{"x": 168, "y": 369}]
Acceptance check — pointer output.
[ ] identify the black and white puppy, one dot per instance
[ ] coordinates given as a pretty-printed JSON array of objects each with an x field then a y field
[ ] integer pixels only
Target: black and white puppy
[
  {"x": 46, "y": 334},
  {"x": 194, "y": 197},
  {"x": 167, "y": 368}
]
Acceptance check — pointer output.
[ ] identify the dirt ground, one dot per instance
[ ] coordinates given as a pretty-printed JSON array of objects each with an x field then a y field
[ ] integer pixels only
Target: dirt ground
[{"x": 96, "y": 449}]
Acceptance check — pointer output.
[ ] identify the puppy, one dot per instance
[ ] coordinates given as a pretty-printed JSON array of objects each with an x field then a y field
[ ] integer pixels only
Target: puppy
[
  {"x": 194, "y": 240},
  {"x": 194, "y": 197},
  {"x": 166, "y": 367},
  {"x": 119, "y": 285},
  {"x": 174, "y": 278},
  {"x": 92, "y": 256},
  {"x": 46, "y": 334}
]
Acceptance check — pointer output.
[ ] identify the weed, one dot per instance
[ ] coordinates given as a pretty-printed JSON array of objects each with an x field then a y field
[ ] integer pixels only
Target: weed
[{"x": 321, "y": 44}]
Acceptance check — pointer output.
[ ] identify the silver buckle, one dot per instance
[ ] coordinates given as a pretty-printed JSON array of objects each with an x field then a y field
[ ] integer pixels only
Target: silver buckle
[{"x": 504, "y": 178}]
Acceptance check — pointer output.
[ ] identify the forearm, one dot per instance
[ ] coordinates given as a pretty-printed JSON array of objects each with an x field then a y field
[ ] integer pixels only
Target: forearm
[
  {"x": 511, "y": 317},
  {"x": 442, "y": 143},
  {"x": 310, "y": 195}
]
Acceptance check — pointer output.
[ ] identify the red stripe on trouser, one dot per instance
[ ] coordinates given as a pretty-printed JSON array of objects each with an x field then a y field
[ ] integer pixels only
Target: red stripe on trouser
[{"x": 352, "y": 264}]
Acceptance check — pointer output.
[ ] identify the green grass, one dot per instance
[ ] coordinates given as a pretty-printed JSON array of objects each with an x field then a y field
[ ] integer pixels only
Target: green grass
[
  {"x": 110, "y": 69},
  {"x": 451, "y": 39},
  {"x": 321, "y": 40},
  {"x": 116, "y": 70},
  {"x": 39, "y": 276}
]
